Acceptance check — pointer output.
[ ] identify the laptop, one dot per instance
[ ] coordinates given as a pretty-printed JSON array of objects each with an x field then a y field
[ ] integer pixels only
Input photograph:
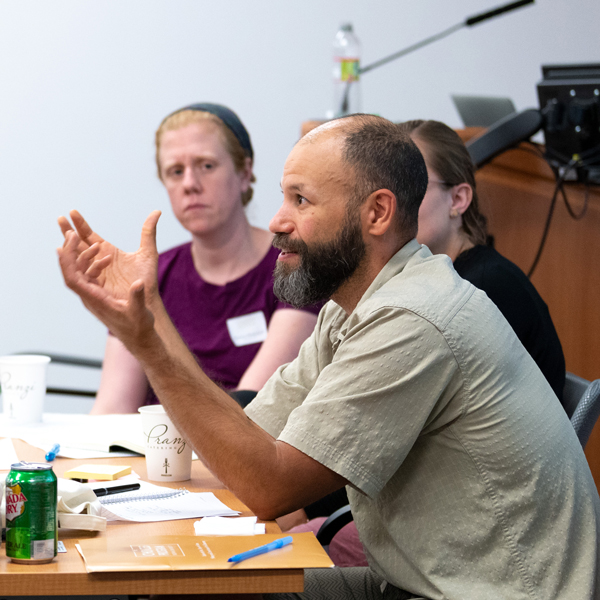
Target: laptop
[{"x": 482, "y": 111}]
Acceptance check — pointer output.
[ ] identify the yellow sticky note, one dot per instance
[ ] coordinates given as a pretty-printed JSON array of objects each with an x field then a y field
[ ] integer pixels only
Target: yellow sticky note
[{"x": 99, "y": 472}]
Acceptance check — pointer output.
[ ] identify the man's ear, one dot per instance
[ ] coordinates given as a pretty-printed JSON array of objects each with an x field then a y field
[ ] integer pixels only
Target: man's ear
[
  {"x": 462, "y": 195},
  {"x": 379, "y": 211}
]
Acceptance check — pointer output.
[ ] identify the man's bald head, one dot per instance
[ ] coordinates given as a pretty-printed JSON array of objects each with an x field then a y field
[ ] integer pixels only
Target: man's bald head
[{"x": 379, "y": 156}]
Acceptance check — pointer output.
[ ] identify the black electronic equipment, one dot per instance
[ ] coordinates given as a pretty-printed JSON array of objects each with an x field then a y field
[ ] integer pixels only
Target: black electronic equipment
[
  {"x": 569, "y": 99},
  {"x": 506, "y": 133},
  {"x": 569, "y": 114}
]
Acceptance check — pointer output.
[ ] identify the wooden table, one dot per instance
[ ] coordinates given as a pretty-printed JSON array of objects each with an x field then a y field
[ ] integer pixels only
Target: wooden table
[{"x": 66, "y": 575}]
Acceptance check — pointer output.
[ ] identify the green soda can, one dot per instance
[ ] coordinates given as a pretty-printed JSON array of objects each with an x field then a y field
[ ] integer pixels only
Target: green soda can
[{"x": 31, "y": 523}]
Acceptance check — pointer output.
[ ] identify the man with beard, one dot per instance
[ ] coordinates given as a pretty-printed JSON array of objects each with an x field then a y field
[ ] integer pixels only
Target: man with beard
[{"x": 465, "y": 477}]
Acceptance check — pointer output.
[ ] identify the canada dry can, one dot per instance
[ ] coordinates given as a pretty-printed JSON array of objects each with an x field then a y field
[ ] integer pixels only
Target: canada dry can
[{"x": 31, "y": 525}]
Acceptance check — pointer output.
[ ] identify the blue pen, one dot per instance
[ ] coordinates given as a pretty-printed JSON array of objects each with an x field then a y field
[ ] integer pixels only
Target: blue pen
[
  {"x": 262, "y": 549},
  {"x": 51, "y": 454}
]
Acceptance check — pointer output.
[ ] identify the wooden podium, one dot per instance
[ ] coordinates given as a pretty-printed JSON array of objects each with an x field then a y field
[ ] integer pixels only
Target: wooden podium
[{"x": 515, "y": 191}]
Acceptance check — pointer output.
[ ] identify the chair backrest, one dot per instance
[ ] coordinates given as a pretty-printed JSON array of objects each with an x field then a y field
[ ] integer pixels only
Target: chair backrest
[
  {"x": 581, "y": 399},
  {"x": 575, "y": 386}
]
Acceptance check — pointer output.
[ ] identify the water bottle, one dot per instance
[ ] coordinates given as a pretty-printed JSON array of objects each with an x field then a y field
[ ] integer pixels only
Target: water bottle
[{"x": 346, "y": 64}]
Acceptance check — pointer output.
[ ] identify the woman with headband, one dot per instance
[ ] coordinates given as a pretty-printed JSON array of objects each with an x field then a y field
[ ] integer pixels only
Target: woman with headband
[{"x": 218, "y": 288}]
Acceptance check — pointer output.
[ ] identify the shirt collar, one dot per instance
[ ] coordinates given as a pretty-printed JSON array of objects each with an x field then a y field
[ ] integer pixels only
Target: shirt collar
[{"x": 393, "y": 267}]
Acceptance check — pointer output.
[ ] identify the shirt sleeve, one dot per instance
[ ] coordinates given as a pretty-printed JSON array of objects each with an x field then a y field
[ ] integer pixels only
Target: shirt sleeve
[
  {"x": 389, "y": 382},
  {"x": 287, "y": 388}
]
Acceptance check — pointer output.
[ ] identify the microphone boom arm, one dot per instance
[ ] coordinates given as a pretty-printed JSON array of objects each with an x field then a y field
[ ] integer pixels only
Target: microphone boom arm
[{"x": 469, "y": 22}]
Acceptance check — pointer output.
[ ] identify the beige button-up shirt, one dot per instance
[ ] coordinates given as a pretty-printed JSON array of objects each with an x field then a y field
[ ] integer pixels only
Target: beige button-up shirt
[{"x": 467, "y": 480}]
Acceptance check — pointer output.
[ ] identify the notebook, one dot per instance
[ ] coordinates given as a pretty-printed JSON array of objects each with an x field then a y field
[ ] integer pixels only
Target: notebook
[{"x": 153, "y": 503}]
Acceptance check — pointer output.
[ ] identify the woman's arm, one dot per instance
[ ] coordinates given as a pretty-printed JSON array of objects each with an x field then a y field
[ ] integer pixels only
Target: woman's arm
[
  {"x": 123, "y": 385},
  {"x": 287, "y": 330}
]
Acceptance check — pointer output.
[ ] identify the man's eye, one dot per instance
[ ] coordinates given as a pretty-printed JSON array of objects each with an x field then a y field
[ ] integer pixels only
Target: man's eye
[
  {"x": 302, "y": 200},
  {"x": 208, "y": 166}
]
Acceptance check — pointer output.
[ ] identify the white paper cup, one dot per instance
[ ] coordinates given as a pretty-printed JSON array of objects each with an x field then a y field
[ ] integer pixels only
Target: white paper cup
[
  {"x": 23, "y": 381},
  {"x": 168, "y": 455}
]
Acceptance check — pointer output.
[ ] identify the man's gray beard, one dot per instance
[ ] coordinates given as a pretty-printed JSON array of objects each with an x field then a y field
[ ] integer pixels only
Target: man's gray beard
[
  {"x": 296, "y": 288},
  {"x": 322, "y": 269}
]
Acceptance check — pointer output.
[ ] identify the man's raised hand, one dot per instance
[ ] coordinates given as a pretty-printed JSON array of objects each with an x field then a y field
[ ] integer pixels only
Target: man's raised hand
[{"x": 115, "y": 286}]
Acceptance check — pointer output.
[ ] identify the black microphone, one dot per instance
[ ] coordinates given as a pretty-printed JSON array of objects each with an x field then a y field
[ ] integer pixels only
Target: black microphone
[
  {"x": 469, "y": 22},
  {"x": 497, "y": 11}
]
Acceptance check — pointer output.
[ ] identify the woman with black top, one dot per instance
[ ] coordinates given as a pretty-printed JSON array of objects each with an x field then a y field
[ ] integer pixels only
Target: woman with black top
[{"x": 450, "y": 223}]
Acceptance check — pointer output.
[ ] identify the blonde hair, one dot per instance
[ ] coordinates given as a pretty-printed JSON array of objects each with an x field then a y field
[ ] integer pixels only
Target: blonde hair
[{"x": 232, "y": 145}]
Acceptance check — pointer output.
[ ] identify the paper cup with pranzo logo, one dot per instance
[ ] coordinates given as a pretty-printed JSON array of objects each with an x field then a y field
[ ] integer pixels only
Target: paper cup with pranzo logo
[
  {"x": 23, "y": 384},
  {"x": 168, "y": 455}
]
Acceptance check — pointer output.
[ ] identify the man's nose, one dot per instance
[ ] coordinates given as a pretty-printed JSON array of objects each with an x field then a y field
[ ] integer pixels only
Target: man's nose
[{"x": 281, "y": 222}]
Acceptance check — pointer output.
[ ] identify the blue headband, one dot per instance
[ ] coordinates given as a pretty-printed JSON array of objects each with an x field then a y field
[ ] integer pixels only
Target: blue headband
[{"x": 231, "y": 120}]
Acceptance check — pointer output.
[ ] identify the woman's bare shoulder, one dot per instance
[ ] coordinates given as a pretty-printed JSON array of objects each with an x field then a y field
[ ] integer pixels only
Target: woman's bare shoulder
[{"x": 262, "y": 240}]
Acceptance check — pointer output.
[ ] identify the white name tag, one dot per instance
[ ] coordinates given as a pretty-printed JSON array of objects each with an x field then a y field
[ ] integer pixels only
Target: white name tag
[{"x": 248, "y": 329}]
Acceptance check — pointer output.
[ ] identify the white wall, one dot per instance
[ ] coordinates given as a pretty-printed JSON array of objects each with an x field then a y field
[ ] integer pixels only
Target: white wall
[{"x": 85, "y": 83}]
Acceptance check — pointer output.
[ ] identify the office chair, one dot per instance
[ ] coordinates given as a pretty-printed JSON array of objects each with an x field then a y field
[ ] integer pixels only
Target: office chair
[
  {"x": 581, "y": 400},
  {"x": 574, "y": 388}
]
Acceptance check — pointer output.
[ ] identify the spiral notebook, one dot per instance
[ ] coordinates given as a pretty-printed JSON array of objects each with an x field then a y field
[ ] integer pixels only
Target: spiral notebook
[{"x": 156, "y": 503}]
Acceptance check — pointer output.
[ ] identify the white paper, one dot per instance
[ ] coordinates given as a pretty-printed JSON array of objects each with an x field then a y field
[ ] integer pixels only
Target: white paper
[
  {"x": 248, "y": 329},
  {"x": 68, "y": 452},
  {"x": 229, "y": 526},
  {"x": 8, "y": 455},
  {"x": 150, "y": 504},
  {"x": 80, "y": 436}
]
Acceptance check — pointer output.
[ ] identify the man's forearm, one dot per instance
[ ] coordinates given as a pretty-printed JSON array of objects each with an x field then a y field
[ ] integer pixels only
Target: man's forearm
[
  {"x": 270, "y": 476},
  {"x": 242, "y": 455}
]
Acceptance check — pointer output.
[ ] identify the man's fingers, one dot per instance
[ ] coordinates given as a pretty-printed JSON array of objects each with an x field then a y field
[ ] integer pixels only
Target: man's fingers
[
  {"x": 137, "y": 305},
  {"x": 136, "y": 295},
  {"x": 71, "y": 242},
  {"x": 86, "y": 258},
  {"x": 148, "y": 240},
  {"x": 95, "y": 270},
  {"x": 64, "y": 225},
  {"x": 85, "y": 232},
  {"x": 87, "y": 264},
  {"x": 68, "y": 256}
]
